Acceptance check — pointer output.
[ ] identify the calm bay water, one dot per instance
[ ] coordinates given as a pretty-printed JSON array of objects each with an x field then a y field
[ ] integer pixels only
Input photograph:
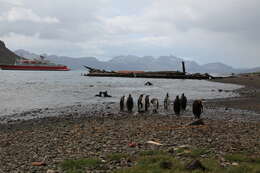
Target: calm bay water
[{"x": 26, "y": 90}]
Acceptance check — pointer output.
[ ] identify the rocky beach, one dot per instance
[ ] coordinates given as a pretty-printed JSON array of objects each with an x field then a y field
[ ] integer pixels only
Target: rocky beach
[{"x": 96, "y": 131}]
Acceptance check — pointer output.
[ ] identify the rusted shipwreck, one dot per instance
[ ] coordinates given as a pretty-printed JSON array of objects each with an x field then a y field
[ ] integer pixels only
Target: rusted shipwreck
[{"x": 147, "y": 74}]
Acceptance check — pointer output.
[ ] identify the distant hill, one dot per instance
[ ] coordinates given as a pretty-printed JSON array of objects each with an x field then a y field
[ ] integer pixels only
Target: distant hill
[
  {"x": 131, "y": 62},
  {"x": 7, "y": 56}
]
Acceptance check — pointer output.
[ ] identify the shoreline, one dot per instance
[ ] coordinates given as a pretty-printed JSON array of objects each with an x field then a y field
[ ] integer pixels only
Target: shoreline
[
  {"x": 96, "y": 133},
  {"x": 249, "y": 98}
]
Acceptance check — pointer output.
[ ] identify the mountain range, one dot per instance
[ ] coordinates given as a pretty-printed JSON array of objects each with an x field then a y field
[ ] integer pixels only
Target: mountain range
[{"x": 131, "y": 62}]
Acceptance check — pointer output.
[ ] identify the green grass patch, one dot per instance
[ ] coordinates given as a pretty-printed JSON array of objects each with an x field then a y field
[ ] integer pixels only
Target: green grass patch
[
  {"x": 154, "y": 161},
  {"x": 237, "y": 157},
  {"x": 153, "y": 164},
  {"x": 194, "y": 153},
  {"x": 240, "y": 157},
  {"x": 244, "y": 168},
  {"x": 79, "y": 165},
  {"x": 198, "y": 152},
  {"x": 116, "y": 156}
]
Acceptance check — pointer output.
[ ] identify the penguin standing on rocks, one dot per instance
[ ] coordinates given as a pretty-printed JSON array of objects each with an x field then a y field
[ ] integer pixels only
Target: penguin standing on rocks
[
  {"x": 130, "y": 103},
  {"x": 183, "y": 102},
  {"x": 122, "y": 103},
  {"x": 155, "y": 104},
  {"x": 140, "y": 103},
  {"x": 146, "y": 103},
  {"x": 166, "y": 102},
  {"x": 197, "y": 108},
  {"x": 177, "y": 106}
]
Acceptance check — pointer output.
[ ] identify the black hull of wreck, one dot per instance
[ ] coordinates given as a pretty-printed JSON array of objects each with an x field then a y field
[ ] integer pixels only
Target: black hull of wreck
[{"x": 153, "y": 75}]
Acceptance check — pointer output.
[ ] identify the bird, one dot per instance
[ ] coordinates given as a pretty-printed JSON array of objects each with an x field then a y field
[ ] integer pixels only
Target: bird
[
  {"x": 147, "y": 103},
  {"x": 166, "y": 102},
  {"x": 155, "y": 104},
  {"x": 177, "y": 106},
  {"x": 183, "y": 102},
  {"x": 130, "y": 103},
  {"x": 140, "y": 103},
  {"x": 122, "y": 103},
  {"x": 197, "y": 108}
]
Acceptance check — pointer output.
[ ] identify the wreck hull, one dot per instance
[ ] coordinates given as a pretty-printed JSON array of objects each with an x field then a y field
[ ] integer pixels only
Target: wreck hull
[{"x": 150, "y": 75}]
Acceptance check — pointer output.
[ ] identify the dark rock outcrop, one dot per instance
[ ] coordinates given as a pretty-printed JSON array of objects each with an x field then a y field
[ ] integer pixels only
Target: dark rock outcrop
[
  {"x": 196, "y": 164},
  {"x": 6, "y": 55}
]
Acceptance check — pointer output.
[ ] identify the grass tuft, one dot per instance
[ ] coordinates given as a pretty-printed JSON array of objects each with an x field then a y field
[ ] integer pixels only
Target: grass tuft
[
  {"x": 237, "y": 157},
  {"x": 78, "y": 166},
  {"x": 116, "y": 156}
]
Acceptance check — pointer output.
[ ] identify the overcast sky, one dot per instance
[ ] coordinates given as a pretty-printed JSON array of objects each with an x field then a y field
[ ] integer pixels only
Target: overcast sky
[{"x": 202, "y": 30}]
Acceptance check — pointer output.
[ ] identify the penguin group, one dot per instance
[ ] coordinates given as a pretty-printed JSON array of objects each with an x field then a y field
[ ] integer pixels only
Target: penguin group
[
  {"x": 103, "y": 94},
  {"x": 144, "y": 103},
  {"x": 128, "y": 101}
]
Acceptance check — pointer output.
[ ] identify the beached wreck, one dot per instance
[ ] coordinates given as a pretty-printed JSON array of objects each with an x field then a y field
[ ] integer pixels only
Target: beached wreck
[{"x": 147, "y": 74}]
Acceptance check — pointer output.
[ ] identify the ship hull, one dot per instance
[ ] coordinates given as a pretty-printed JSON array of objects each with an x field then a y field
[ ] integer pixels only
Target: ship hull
[{"x": 34, "y": 68}]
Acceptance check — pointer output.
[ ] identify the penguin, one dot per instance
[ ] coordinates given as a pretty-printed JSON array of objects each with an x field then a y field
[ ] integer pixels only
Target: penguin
[
  {"x": 122, "y": 103},
  {"x": 106, "y": 94},
  {"x": 197, "y": 108},
  {"x": 147, "y": 103},
  {"x": 166, "y": 102},
  {"x": 130, "y": 103},
  {"x": 140, "y": 103},
  {"x": 183, "y": 102},
  {"x": 155, "y": 104},
  {"x": 177, "y": 106},
  {"x": 99, "y": 95}
]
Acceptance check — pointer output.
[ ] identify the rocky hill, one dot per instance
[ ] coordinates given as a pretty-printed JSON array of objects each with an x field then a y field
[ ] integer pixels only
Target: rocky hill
[{"x": 6, "y": 55}]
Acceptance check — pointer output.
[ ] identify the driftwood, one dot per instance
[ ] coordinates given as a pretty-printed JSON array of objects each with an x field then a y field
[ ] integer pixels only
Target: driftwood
[{"x": 154, "y": 143}]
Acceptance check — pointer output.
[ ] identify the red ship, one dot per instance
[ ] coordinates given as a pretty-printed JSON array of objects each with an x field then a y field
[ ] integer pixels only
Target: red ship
[{"x": 41, "y": 65}]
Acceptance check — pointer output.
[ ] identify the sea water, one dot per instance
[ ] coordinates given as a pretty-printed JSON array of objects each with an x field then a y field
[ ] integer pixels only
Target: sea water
[{"x": 27, "y": 90}]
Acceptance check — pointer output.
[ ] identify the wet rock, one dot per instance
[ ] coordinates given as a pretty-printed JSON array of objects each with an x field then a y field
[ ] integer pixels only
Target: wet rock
[
  {"x": 148, "y": 84},
  {"x": 197, "y": 122}
]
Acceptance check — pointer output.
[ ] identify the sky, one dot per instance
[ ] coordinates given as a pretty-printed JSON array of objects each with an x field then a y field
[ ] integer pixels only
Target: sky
[{"x": 205, "y": 31}]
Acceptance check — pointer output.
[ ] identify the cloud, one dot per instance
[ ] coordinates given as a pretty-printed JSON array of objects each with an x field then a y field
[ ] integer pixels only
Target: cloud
[
  {"x": 208, "y": 31},
  {"x": 22, "y": 14}
]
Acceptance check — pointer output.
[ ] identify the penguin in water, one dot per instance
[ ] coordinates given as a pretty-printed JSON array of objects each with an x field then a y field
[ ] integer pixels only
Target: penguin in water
[
  {"x": 155, "y": 104},
  {"x": 177, "y": 106},
  {"x": 166, "y": 102},
  {"x": 122, "y": 103},
  {"x": 130, "y": 103},
  {"x": 106, "y": 94},
  {"x": 146, "y": 103},
  {"x": 197, "y": 108},
  {"x": 100, "y": 94},
  {"x": 140, "y": 103},
  {"x": 183, "y": 102}
]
